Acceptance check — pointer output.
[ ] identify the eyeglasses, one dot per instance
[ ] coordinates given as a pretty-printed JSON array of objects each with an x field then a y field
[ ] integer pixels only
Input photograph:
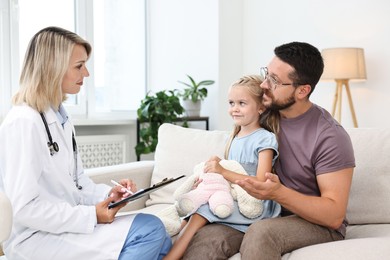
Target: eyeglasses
[{"x": 271, "y": 81}]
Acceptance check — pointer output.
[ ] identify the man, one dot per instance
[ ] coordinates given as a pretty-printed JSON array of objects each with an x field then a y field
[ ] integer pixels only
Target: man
[{"x": 314, "y": 170}]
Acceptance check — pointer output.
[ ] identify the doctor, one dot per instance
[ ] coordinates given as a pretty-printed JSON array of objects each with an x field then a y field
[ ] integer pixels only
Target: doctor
[{"x": 59, "y": 213}]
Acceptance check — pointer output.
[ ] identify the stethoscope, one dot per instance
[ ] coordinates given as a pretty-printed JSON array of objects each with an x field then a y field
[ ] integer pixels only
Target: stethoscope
[{"x": 54, "y": 148}]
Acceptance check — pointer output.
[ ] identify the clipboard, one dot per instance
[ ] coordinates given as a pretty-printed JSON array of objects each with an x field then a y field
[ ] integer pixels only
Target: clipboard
[{"x": 146, "y": 191}]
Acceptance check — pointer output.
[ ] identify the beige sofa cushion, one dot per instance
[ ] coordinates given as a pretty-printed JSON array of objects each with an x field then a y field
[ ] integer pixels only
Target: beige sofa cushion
[
  {"x": 357, "y": 249},
  {"x": 178, "y": 151},
  {"x": 369, "y": 200}
]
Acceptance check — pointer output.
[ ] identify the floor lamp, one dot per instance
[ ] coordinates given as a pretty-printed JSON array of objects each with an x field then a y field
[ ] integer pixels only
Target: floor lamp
[{"x": 343, "y": 65}]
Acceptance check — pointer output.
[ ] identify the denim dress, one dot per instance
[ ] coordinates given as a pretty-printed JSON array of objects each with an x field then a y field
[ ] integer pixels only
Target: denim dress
[{"x": 245, "y": 150}]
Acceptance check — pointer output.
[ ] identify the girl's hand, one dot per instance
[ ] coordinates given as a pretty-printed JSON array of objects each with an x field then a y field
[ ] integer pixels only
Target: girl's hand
[
  {"x": 213, "y": 166},
  {"x": 196, "y": 183},
  {"x": 214, "y": 158}
]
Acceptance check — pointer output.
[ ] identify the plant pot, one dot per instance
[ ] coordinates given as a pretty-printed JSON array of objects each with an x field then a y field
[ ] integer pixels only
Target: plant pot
[{"x": 192, "y": 109}]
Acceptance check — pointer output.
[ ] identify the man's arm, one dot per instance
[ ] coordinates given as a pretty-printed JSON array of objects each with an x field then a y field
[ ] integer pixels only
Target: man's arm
[{"x": 327, "y": 210}]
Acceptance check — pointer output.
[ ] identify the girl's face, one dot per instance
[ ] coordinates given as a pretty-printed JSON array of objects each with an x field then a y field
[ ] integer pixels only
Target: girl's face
[
  {"x": 74, "y": 76},
  {"x": 243, "y": 107}
]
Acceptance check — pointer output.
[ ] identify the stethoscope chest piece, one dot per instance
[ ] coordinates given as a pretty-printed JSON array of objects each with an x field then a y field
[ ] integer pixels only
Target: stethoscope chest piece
[{"x": 53, "y": 147}]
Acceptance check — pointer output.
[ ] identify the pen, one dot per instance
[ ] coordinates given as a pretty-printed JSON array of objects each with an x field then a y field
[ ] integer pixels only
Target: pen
[{"x": 120, "y": 185}]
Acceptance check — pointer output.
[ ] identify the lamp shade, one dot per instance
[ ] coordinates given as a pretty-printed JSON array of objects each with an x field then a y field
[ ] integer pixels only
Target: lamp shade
[{"x": 344, "y": 63}]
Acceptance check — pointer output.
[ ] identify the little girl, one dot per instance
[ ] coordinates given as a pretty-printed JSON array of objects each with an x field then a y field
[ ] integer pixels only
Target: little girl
[{"x": 253, "y": 145}]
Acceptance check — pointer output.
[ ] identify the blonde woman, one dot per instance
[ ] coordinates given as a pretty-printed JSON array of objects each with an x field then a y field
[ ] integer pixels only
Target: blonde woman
[
  {"x": 253, "y": 145},
  {"x": 59, "y": 213}
]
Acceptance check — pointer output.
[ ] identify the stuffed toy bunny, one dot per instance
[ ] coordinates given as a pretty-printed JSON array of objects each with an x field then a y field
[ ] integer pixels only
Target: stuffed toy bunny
[{"x": 215, "y": 190}]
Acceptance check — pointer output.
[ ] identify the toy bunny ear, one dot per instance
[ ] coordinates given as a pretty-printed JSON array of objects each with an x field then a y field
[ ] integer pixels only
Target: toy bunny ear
[
  {"x": 189, "y": 182},
  {"x": 199, "y": 168}
]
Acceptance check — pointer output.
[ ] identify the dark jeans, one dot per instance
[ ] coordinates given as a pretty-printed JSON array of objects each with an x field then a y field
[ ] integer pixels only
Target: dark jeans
[{"x": 265, "y": 239}]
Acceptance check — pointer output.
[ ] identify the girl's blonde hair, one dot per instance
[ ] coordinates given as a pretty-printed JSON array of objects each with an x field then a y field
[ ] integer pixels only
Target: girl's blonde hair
[
  {"x": 45, "y": 64},
  {"x": 269, "y": 120}
]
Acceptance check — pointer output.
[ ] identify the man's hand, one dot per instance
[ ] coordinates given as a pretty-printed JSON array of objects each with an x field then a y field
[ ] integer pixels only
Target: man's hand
[{"x": 262, "y": 190}]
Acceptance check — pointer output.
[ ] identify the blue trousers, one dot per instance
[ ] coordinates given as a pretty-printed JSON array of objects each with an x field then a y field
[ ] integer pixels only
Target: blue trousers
[{"x": 147, "y": 239}]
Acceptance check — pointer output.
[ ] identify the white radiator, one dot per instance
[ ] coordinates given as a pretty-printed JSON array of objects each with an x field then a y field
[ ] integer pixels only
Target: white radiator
[{"x": 101, "y": 150}]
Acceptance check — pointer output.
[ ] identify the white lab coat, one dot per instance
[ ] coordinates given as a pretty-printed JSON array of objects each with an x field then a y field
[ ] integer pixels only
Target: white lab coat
[{"x": 52, "y": 218}]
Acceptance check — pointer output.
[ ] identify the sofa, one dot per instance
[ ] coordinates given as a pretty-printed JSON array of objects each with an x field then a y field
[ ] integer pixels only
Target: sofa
[
  {"x": 368, "y": 212},
  {"x": 180, "y": 149}
]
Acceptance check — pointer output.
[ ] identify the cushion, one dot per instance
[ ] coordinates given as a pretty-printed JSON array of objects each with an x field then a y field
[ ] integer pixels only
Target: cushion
[
  {"x": 178, "y": 150},
  {"x": 356, "y": 249},
  {"x": 366, "y": 231},
  {"x": 370, "y": 192}
]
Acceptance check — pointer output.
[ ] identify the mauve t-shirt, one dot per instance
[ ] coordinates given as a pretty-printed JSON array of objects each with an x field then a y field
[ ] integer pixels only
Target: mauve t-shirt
[{"x": 311, "y": 144}]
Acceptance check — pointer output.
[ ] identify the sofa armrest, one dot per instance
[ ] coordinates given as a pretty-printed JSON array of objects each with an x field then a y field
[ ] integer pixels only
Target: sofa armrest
[{"x": 140, "y": 172}]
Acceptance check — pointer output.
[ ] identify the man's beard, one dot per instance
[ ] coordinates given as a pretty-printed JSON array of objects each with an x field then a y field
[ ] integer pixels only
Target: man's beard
[{"x": 277, "y": 106}]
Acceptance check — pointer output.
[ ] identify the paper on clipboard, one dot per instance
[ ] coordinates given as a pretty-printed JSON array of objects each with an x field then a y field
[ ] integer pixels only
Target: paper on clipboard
[{"x": 146, "y": 191}]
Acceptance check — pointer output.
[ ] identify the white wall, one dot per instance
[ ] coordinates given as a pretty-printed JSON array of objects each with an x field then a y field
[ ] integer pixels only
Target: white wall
[
  {"x": 183, "y": 40},
  {"x": 222, "y": 40},
  {"x": 326, "y": 24}
]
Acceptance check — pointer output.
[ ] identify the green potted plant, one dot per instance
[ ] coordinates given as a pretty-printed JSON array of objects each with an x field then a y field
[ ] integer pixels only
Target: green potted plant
[
  {"x": 193, "y": 94},
  {"x": 163, "y": 107}
]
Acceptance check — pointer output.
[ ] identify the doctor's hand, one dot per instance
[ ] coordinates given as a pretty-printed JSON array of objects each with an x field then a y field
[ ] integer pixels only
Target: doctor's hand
[
  {"x": 121, "y": 192},
  {"x": 267, "y": 190},
  {"x": 104, "y": 214}
]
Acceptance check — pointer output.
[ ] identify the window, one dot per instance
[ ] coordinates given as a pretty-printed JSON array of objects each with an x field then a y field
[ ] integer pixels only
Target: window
[
  {"x": 8, "y": 54},
  {"x": 119, "y": 56},
  {"x": 62, "y": 14},
  {"x": 116, "y": 31}
]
